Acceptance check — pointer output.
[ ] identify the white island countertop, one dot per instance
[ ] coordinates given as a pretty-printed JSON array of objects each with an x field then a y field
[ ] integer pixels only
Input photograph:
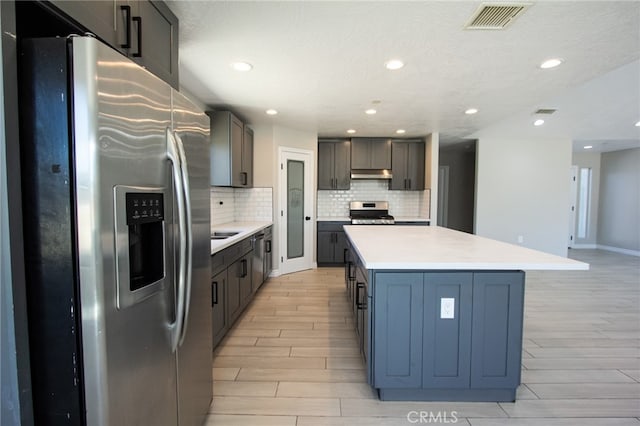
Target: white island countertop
[{"x": 437, "y": 248}]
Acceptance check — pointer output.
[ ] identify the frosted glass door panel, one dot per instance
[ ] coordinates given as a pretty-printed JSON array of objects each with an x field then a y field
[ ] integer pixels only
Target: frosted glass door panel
[{"x": 295, "y": 209}]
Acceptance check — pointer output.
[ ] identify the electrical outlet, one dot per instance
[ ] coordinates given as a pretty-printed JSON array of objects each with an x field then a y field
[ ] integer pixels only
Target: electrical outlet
[
  {"x": 520, "y": 239},
  {"x": 447, "y": 308}
]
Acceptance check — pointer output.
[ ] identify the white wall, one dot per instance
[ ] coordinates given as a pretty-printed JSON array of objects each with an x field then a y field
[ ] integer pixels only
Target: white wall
[
  {"x": 588, "y": 160},
  {"x": 523, "y": 190},
  {"x": 266, "y": 167},
  {"x": 619, "y": 206}
]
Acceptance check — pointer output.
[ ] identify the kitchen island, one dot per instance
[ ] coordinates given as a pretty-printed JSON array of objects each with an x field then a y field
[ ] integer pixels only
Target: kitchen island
[{"x": 439, "y": 313}]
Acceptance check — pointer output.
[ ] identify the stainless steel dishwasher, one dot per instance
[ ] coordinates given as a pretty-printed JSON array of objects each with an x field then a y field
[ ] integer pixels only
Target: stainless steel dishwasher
[{"x": 257, "y": 264}]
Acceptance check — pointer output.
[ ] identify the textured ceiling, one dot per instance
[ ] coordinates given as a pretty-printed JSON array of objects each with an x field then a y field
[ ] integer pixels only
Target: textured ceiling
[{"x": 321, "y": 64}]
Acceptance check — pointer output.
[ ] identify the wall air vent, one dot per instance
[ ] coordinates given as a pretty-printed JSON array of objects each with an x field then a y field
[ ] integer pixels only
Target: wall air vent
[
  {"x": 547, "y": 111},
  {"x": 495, "y": 16}
]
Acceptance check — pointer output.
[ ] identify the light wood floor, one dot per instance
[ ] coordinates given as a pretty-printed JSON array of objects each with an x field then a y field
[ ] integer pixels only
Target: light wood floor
[{"x": 292, "y": 358}]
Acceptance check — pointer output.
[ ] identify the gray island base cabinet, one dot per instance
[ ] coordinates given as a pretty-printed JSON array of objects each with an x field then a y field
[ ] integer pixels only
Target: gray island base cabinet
[
  {"x": 443, "y": 314},
  {"x": 473, "y": 355}
]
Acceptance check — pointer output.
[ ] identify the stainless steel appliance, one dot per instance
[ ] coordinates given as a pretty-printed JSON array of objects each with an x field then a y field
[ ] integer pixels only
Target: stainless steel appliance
[
  {"x": 370, "y": 213},
  {"x": 116, "y": 201}
]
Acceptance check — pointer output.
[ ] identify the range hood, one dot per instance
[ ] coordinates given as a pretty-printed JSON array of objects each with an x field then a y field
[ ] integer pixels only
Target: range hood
[{"x": 383, "y": 174}]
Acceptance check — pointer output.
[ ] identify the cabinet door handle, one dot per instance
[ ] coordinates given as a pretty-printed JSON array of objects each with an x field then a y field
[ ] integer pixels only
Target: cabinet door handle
[
  {"x": 344, "y": 255},
  {"x": 359, "y": 286},
  {"x": 138, "y": 19},
  {"x": 214, "y": 293},
  {"x": 245, "y": 178},
  {"x": 267, "y": 245},
  {"x": 127, "y": 17},
  {"x": 244, "y": 268}
]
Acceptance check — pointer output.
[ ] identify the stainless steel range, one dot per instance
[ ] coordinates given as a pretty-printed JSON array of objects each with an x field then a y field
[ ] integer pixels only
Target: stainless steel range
[{"x": 370, "y": 213}]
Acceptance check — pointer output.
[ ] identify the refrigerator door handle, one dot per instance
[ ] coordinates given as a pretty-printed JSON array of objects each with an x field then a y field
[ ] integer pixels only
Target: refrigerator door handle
[
  {"x": 184, "y": 171},
  {"x": 174, "y": 157}
]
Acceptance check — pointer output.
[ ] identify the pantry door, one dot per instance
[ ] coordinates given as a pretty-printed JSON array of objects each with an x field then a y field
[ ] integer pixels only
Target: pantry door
[{"x": 296, "y": 216}]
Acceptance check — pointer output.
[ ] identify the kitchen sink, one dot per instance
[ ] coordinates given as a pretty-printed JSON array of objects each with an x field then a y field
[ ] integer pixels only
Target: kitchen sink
[{"x": 221, "y": 235}]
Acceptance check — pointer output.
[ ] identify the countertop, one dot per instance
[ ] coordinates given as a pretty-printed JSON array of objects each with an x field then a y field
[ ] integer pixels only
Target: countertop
[
  {"x": 348, "y": 219},
  {"x": 244, "y": 230},
  {"x": 437, "y": 248}
]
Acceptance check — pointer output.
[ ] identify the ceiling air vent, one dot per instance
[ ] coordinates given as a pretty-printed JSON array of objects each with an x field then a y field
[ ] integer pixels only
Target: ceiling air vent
[
  {"x": 547, "y": 111},
  {"x": 495, "y": 16}
]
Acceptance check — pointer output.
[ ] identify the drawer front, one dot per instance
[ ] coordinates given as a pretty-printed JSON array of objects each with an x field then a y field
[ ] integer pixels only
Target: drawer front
[{"x": 217, "y": 263}]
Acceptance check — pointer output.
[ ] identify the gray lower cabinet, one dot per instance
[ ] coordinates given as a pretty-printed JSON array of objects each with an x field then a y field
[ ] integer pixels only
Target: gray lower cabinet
[
  {"x": 239, "y": 287},
  {"x": 421, "y": 353},
  {"x": 144, "y": 30},
  {"x": 268, "y": 252},
  {"x": 446, "y": 343},
  {"x": 397, "y": 321},
  {"x": 408, "y": 163},
  {"x": 334, "y": 164},
  {"x": 496, "y": 334},
  {"x": 232, "y": 284},
  {"x": 219, "y": 306},
  {"x": 332, "y": 242}
]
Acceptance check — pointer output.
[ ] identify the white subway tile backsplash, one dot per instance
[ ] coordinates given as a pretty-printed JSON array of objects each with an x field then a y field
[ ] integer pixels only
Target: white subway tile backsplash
[
  {"x": 253, "y": 204},
  {"x": 241, "y": 205},
  {"x": 335, "y": 203}
]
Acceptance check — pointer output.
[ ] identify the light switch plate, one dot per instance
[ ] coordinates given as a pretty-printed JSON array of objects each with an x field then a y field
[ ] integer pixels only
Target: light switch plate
[{"x": 447, "y": 308}]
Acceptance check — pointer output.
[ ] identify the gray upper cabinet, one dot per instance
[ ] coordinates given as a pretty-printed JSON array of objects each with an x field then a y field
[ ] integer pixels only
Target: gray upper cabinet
[
  {"x": 370, "y": 153},
  {"x": 408, "y": 165},
  {"x": 334, "y": 164},
  {"x": 231, "y": 151},
  {"x": 247, "y": 157},
  {"x": 155, "y": 40},
  {"x": 99, "y": 17},
  {"x": 146, "y": 31}
]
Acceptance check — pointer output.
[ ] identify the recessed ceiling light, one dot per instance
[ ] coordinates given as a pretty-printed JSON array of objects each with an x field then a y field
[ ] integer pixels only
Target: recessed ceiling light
[
  {"x": 401, "y": 131},
  {"x": 638, "y": 124},
  {"x": 394, "y": 64},
  {"x": 241, "y": 66},
  {"x": 550, "y": 63},
  {"x": 471, "y": 111},
  {"x": 588, "y": 146},
  {"x": 370, "y": 111},
  {"x": 538, "y": 122},
  {"x": 351, "y": 131},
  {"x": 271, "y": 112}
]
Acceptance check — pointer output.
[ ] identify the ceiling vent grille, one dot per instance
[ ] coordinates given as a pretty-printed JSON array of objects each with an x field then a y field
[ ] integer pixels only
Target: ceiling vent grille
[
  {"x": 495, "y": 16},
  {"x": 546, "y": 111}
]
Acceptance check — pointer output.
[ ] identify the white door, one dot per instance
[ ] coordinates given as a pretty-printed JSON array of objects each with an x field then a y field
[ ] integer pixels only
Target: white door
[
  {"x": 296, "y": 209},
  {"x": 573, "y": 197}
]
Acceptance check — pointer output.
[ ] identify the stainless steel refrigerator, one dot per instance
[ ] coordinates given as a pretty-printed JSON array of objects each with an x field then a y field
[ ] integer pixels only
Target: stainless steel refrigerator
[{"x": 115, "y": 183}]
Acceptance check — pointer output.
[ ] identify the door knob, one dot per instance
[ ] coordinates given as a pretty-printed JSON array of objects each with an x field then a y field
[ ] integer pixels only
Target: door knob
[{"x": 307, "y": 218}]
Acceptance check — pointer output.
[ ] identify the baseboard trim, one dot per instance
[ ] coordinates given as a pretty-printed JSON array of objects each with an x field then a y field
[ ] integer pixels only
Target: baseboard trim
[
  {"x": 274, "y": 273},
  {"x": 619, "y": 250},
  {"x": 584, "y": 246}
]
